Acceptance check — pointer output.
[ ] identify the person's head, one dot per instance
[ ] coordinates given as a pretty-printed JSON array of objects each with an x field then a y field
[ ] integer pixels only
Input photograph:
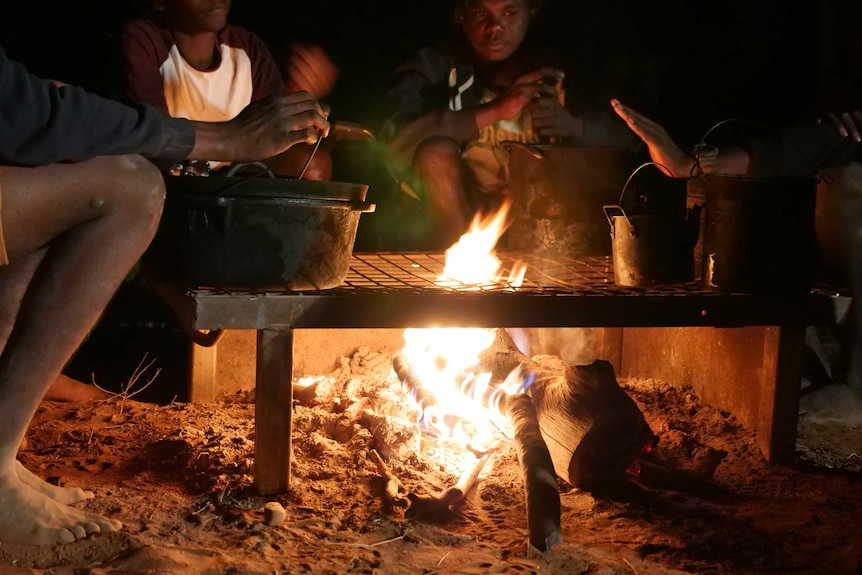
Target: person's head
[
  {"x": 191, "y": 16},
  {"x": 495, "y": 29}
]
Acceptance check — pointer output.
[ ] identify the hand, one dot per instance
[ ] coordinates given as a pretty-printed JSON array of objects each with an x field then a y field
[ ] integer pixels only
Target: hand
[
  {"x": 847, "y": 124},
  {"x": 662, "y": 149},
  {"x": 263, "y": 129},
  {"x": 521, "y": 93},
  {"x": 551, "y": 119},
  {"x": 310, "y": 69}
]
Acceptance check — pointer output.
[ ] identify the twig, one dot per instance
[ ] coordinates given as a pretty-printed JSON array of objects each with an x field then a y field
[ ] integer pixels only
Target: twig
[
  {"x": 366, "y": 545},
  {"x": 126, "y": 390},
  {"x": 392, "y": 486},
  {"x": 424, "y": 505}
]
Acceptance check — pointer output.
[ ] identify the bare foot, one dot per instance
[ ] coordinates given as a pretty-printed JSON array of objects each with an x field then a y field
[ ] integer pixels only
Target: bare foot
[
  {"x": 662, "y": 149},
  {"x": 67, "y": 389},
  {"x": 29, "y": 517},
  {"x": 64, "y": 495}
]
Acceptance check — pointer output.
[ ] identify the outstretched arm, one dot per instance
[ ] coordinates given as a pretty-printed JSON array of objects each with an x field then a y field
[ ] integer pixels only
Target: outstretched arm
[{"x": 663, "y": 150}]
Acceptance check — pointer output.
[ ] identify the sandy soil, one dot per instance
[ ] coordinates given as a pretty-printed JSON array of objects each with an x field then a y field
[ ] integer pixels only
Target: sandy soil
[{"x": 179, "y": 477}]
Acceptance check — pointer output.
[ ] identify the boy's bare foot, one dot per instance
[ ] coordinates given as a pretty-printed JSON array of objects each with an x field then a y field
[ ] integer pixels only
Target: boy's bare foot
[
  {"x": 67, "y": 389},
  {"x": 662, "y": 149},
  {"x": 64, "y": 495},
  {"x": 30, "y": 517}
]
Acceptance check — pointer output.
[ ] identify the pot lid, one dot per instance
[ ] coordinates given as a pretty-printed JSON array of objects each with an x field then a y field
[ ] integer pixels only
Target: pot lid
[{"x": 265, "y": 187}]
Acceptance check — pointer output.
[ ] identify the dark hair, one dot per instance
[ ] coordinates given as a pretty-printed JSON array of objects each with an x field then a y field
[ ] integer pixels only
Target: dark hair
[{"x": 537, "y": 8}]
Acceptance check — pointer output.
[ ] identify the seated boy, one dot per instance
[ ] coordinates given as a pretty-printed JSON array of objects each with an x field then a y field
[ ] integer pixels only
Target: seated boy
[{"x": 188, "y": 62}]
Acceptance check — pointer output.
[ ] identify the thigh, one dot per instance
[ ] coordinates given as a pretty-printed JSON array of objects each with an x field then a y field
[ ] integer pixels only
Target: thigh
[{"x": 42, "y": 203}]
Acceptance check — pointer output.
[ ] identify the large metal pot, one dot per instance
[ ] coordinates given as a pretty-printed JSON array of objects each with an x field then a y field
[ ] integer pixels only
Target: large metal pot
[
  {"x": 558, "y": 192},
  {"x": 759, "y": 233},
  {"x": 256, "y": 232}
]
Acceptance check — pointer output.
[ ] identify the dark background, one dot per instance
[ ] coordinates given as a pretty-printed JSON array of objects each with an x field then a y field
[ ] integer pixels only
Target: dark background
[{"x": 688, "y": 64}]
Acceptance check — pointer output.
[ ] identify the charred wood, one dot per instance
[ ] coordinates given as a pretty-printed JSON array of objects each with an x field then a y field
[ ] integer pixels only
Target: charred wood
[
  {"x": 434, "y": 505},
  {"x": 392, "y": 488},
  {"x": 540, "y": 482},
  {"x": 594, "y": 431}
]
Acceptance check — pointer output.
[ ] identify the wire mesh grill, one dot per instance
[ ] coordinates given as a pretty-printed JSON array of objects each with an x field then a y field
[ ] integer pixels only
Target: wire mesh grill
[{"x": 420, "y": 272}]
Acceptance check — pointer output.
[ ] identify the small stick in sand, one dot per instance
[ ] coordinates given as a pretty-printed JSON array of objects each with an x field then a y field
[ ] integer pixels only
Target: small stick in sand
[
  {"x": 425, "y": 505},
  {"x": 392, "y": 487}
]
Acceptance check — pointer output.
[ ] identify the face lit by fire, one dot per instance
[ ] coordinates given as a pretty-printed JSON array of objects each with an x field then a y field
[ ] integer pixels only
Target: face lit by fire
[{"x": 495, "y": 28}]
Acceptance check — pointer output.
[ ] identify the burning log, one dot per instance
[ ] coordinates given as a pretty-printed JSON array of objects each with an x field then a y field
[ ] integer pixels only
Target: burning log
[
  {"x": 540, "y": 483},
  {"x": 594, "y": 431}
]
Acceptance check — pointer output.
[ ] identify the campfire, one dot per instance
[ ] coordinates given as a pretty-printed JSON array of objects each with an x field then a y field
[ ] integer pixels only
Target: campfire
[{"x": 474, "y": 388}]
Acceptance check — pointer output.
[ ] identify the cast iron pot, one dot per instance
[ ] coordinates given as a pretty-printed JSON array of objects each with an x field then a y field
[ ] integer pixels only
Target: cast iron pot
[
  {"x": 558, "y": 192},
  {"x": 256, "y": 232}
]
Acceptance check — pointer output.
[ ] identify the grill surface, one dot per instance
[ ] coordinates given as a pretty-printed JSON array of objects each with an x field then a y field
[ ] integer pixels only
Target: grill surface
[
  {"x": 393, "y": 290},
  {"x": 420, "y": 272}
]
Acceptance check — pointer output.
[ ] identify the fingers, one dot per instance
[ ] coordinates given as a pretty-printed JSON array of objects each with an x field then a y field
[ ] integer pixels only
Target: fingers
[
  {"x": 846, "y": 124},
  {"x": 544, "y": 73}
]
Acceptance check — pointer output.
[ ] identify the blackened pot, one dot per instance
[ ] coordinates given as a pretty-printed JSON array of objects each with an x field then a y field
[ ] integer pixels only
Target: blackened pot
[
  {"x": 256, "y": 232},
  {"x": 759, "y": 233}
]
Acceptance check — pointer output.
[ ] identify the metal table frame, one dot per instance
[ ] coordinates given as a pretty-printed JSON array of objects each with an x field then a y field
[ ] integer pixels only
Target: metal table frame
[{"x": 402, "y": 290}]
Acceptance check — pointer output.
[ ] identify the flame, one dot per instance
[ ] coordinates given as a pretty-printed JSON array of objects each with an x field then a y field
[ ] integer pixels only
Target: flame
[
  {"x": 471, "y": 260},
  {"x": 445, "y": 360}
]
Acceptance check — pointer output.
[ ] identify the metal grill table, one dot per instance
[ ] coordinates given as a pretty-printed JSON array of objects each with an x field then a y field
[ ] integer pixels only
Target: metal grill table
[{"x": 399, "y": 290}]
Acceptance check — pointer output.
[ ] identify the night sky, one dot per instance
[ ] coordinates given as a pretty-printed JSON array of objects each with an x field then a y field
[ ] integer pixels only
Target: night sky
[{"x": 688, "y": 64}]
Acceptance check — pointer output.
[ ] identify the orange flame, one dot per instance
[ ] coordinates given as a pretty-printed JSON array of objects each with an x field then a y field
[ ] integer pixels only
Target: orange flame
[{"x": 445, "y": 360}]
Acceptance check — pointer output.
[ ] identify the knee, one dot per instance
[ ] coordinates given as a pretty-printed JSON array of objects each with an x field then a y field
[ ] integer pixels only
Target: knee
[
  {"x": 436, "y": 154},
  {"x": 137, "y": 188}
]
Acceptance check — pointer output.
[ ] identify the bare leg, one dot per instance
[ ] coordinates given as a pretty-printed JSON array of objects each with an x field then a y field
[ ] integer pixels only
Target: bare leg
[
  {"x": 438, "y": 166},
  {"x": 12, "y": 288},
  {"x": 92, "y": 221},
  {"x": 64, "y": 388}
]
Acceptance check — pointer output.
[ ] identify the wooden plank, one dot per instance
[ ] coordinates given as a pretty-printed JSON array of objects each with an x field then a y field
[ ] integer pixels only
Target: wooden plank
[
  {"x": 273, "y": 410},
  {"x": 724, "y": 366},
  {"x": 202, "y": 373},
  {"x": 779, "y": 399}
]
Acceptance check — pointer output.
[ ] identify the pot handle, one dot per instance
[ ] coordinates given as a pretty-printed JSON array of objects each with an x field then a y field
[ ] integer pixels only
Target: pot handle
[
  {"x": 508, "y": 144},
  {"x": 638, "y": 169},
  {"x": 608, "y": 208}
]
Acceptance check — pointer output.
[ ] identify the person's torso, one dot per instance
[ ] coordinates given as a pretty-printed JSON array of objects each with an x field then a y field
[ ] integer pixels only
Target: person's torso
[{"x": 211, "y": 95}]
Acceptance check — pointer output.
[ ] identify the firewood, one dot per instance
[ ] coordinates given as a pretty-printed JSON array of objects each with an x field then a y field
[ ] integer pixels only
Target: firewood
[
  {"x": 392, "y": 487},
  {"x": 540, "y": 483},
  {"x": 593, "y": 429},
  {"x": 540, "y": 486},
  {"x": 434, "y": 505}
]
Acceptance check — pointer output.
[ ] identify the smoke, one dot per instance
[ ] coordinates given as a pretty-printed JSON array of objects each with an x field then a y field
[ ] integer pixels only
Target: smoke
[
  {"x": 837, "y": 403},
  {"x": 575, "y": 346}
]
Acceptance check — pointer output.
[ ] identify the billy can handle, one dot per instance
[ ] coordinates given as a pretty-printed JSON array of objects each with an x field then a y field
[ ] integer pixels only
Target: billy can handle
[
  {"x": 608, "y": 208},
  {"x": 638, "y": 169},
  {"x": 703, "y": 148}
]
